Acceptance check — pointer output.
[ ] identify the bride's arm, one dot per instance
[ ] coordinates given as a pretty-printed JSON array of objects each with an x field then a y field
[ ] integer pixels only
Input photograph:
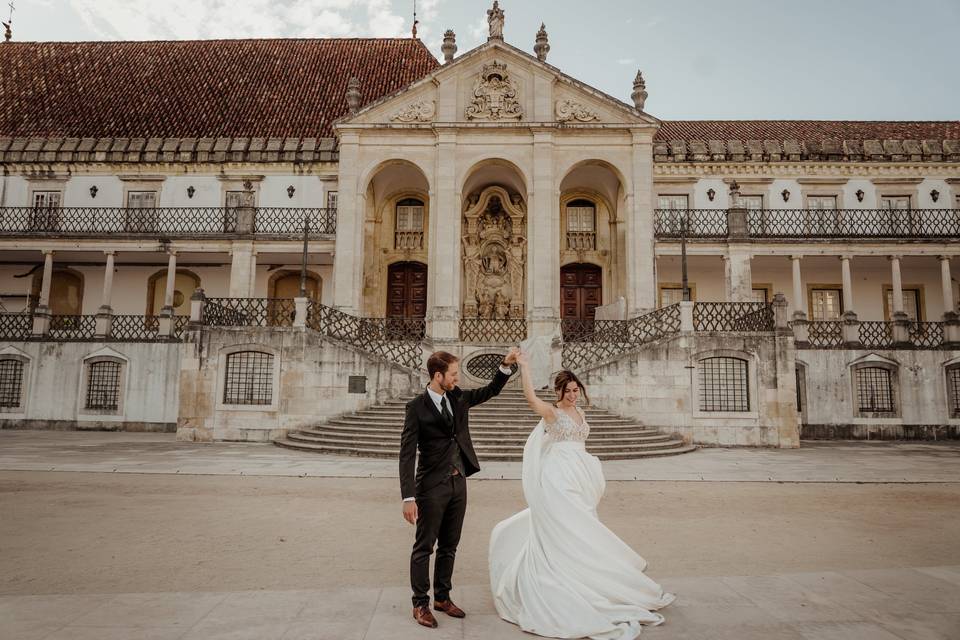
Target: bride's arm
[{"x": 545, "y": 410}]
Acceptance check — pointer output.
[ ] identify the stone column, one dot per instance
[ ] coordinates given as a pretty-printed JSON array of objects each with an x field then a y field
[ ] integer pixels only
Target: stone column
[
  {"x": 851, "y": 326},
  {"x": 901, "y": 323},
  {"x": 641, "y": 285},
  {"x": 946, "y": 282},
  {"x": 686, "y": 315},
  {"x": 739, "y": 277},
  {"x": 799, "y": 300},
  {"x": 543, "y": 236},
  {"x": 41, "y": 315},
  {"x": 444, "y": 253},
  {"x": 166, "y": 321},
  {"x": 105, "y": 312},
  {"x": 243, "y": 269},
  {"x": 348, "y": 251}
]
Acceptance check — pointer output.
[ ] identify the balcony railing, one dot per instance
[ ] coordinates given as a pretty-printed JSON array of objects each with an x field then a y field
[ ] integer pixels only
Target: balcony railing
[
  {"x": 248, "y": 312},
  {"x": 412, "y": 240},
  {"x": 874, "y": 334},
  {"x": 581, "y": 240},
  {"x": 167, "y": 221},
  {"x": 812, "y": 223}
]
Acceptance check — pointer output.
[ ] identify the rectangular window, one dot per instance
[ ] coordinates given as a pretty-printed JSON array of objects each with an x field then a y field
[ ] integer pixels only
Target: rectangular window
[
  {"x": 911, "y": 304},
  {"x": 11, "y": 383},
  {"x": 874, "y": 390},
  {"x": 410, "y": 218},
  {"x": 141, "y": 199},
  {"x": 45, "y": 214},
  {"x": 826, "y": 304},
  {"x": 724, "y": 384},
  {"x": 672, "y": 295},
  {"x": 249, "y": 378},
  {"x": 331, "y": 199},
  {"x": 235, "y": 199},
  {"x": 895, "y": 202},
  {"x": 752, "y": 202},
  {"x": 141, "y": 216},
  {"x": 672, "y": 202},
  {"x": 46, "y": 199},
  {"x": 953, "y": 391},
  {"x": 103, "y": 385},
  {"x": 762, "y": 293},
  {"x": 821, "y": 202},
  {"x": 580, "y": 219}
]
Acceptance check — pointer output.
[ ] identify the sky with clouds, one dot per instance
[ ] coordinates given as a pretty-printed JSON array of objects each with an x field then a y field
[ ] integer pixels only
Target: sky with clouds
[{"x": 705, "y": 59}]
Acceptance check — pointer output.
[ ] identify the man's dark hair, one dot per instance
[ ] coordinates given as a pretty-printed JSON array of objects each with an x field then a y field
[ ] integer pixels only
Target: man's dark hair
[{"x": 439, "y": 362}]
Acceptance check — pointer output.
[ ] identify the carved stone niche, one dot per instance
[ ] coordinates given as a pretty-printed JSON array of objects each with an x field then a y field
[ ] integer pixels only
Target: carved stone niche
[
  {"x": 494, "y": 256},
  {"x": 494, "y": 95}
]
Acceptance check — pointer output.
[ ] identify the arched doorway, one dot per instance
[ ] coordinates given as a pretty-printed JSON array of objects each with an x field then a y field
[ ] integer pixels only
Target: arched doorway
[
  {"x": 66, "y": 292},
  {"x": 184, "y": 284},
  {"x": 286, "y": 285},
  {"x": 581, "y": 292}
]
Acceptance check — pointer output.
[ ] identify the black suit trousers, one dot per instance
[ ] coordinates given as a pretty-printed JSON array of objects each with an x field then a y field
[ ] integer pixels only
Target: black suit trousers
[{"x": 440, "y": 521}]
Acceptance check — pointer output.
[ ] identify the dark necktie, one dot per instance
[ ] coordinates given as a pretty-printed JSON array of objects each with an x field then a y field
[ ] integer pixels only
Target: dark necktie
[{"x": 445, "y": 411}]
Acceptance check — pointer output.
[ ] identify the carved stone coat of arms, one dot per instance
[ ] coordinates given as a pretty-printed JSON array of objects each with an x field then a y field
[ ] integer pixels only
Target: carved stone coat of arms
[{"x": 494, "y": 95}]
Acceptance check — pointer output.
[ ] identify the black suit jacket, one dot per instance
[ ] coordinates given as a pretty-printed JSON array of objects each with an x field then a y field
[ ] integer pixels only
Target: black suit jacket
[{"x": 425, "y": 429}]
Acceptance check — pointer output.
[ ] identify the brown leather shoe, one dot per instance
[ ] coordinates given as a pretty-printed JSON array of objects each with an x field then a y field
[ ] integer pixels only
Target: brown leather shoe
[
  {"x": 423, "y": 616},
  {"x": 449, "y": 608}
]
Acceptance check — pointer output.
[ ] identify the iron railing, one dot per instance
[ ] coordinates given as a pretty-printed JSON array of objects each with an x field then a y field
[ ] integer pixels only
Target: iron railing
[
  {"x": 488, "y": 331},
  {"x": 875, "y": 334},
  {"x": 15, "y": 326},
  {"x": 587, "y": 342},
  {"x": 72, "y": 328},
  {"x": 291, "y": 221},
  {"x": 135, "y": 328},
  {"x": 164, "y": 221},
  {"x": 248, "y": 312},
  {"x": 394, "y": 339},
  {"x": 825, "y": 334},
  {"x": 733, "y": 316},
  {"x": 854, "y": 223},
  {"x": 926, "y": 335},
  {"x": 700, "y": 223}
]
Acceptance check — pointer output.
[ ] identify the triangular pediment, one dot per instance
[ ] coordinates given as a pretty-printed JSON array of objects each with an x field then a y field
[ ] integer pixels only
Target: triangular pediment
[{"x": 497, "y": 83}]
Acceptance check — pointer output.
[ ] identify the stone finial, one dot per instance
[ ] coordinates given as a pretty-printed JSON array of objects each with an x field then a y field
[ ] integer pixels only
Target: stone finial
[
  {"x": 495, "y": 20},
  {"x": 353, "y": 94},
  {"x": 7, "y": 32},
  {"x": 639, "y": 94},
  {"x": 542, "y": 47},
  {"x": 449, "y": 46},
  {"x": 734, "y": 194}
]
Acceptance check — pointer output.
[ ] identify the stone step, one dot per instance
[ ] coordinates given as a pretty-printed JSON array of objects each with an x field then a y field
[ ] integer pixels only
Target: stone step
[
  {"x": 491, "y": 456},
  {"x": 489, "y": 432},
  {"x": 479, "y": 440}
]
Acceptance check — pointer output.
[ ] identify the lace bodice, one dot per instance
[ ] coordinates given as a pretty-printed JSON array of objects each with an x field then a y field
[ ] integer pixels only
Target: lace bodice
[{"x": 566, "y": 429}]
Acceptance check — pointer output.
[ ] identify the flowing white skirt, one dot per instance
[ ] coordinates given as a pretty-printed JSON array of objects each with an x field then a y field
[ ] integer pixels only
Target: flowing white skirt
[{"x": 555, "y": 569}]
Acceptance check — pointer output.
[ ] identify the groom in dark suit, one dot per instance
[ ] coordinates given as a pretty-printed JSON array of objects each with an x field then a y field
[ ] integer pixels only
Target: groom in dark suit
[{"x": 435, "y": 499}]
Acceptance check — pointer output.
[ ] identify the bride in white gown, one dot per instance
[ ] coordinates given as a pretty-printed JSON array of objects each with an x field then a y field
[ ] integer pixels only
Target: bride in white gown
[{"x": 555, "y": 569}]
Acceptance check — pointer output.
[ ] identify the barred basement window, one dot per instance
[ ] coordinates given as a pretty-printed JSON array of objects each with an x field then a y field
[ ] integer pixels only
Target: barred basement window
[
  {"x": 249, "y": 378},
  {"x": 874, "y": 390},
  {"x": 103, "y": 385},
  {"x": 953, "y": 391},
  {"x": 724, "y": 384},
  {"x": 11, "y": 382}
]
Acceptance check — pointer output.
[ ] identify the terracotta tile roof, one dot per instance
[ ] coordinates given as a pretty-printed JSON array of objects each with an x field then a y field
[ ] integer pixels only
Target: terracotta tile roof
[
  {"x": 280, "y": 88},
  {"x": 813, "y": 130}
]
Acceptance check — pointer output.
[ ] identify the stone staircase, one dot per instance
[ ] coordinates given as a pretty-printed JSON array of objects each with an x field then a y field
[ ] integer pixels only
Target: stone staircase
[{"x": 499, "y": 429}]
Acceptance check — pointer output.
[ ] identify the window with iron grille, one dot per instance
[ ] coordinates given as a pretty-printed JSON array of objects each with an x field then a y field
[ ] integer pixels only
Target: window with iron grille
[
  {"x": 103, "y": 385},
  {"x": 11, "y": 383},
  {"x": 953, "y": 390},
  {"x": 331, "y": 199},
  {"x": 875, "y": 390},
  {"x": 249, "y": 378},
  {"x": 724, "y": 384}
]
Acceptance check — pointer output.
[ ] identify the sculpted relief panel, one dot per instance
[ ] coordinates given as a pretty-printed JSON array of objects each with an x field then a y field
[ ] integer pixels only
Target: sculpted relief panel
[
  {"x": 494, "y": 95},
  {"x": 494, "y": 256}
]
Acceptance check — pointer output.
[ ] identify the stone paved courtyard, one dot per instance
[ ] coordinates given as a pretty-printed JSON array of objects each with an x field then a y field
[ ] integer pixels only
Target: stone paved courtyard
[{"x": 111, "y": 535}]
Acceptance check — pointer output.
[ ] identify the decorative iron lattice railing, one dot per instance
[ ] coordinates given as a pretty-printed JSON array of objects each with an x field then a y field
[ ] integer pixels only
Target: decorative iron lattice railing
[
  {"x": 486, "y": 331},
  {"x": 587, "y": 342},
  {"x": 825, "y": 334},
  {"x": 72, "y": 328},
  {"x": 291, "y": 220},
  {"x": 133, "y": 328},
  {"x": 854, "y": 223},
  {"x": 15, "y": 326},
  {"x": 926, "y": 335},
  {"x": 248, "y": 312},
  {"x": 164, "y": 221},
  {"x": 700, "y": 223},
  {"x": 874, "y": 334},
  {"x": 733, "y": 316},
  {"x": 394, "y": 339}
]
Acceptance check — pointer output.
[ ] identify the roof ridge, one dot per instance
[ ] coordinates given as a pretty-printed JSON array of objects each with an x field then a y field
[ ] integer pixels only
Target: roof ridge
[{"x": 193, "y": 40}]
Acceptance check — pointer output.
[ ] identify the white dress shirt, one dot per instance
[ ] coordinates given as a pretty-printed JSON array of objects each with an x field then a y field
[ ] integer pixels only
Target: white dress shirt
[{"x": 438, "y": 400}]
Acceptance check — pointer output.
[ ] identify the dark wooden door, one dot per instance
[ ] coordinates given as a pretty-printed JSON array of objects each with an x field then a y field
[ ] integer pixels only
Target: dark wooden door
[
  {"x": 407, "y": 290},
  {"x": 581, "y": 291}
]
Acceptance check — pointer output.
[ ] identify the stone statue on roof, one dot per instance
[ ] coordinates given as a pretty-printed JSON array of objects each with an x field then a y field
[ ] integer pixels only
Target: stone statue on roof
[{"x": 495, "y": 20}]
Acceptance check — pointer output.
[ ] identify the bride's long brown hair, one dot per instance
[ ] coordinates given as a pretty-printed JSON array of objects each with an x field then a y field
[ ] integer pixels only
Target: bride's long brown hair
[{"x": 564, "y": 378}]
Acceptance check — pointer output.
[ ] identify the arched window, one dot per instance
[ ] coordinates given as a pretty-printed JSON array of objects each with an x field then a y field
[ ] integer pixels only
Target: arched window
[
  {"x": 248, "y": 378},
  {"x": 409, "y": 218},
  {"x": 581, "y": 225},
  {"x": 875, "y": 393},
  {"x": 724, "y": 384}
]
